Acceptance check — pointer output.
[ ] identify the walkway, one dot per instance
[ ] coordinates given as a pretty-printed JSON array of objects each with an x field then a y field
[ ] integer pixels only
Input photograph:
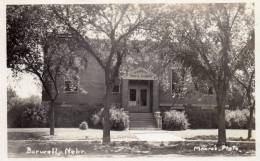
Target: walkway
[
  {"x": 127, "y": 135},
  {"x": 155, "y": 136}
]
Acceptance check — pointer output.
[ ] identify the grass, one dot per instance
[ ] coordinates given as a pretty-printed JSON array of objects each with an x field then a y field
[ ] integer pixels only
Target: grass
[
  {"x": 211, "y": 134},
  {"x": 26, "y": 136},
  {"x": 215, "y": 137},
  {"x": 96, "y": 134},
  {"x": 19, "y": 149},
  {"x": 67, "y": 134},
  {"x": 123, "y": 143}
]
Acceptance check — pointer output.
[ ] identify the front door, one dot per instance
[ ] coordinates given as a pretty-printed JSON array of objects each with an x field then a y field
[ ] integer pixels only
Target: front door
[{"x": 139, "y": 99}]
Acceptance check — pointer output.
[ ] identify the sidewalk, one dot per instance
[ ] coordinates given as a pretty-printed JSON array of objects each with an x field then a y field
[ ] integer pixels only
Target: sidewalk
[
  {"x": 127, "y": 135},
  {"x": 155, "y": 136}
]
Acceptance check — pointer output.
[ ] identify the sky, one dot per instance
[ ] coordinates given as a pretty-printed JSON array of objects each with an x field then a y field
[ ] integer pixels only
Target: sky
[{"x": 25, "y": 86}]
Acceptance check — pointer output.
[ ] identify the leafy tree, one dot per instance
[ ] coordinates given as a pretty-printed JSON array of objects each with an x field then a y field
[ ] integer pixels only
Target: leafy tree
[
  {"x": 209, "y": 39},
  {"x": 115, "y": 24},
  {"x": 11, "y": 98},
  {"x": 35, "y": 46},
  {"x": 245, "y": 76},
  {"x": 11, "y": 93}
]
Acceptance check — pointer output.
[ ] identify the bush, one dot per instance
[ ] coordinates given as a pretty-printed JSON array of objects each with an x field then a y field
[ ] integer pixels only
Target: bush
[
  {"x": 83, "y": 125},
  {"x": 74, "y": 114},
  {"x": 14, "y": 116},
  {"x": 201, "y": 118},
  {"x": 175, "y": 120},
  {"x": 26, "y": 112},
  {"x": 237, "y": 119},
  {"x": 35, "y": 116},
  {"x": 119, "y": 119},
  {"x": 95, "y": 119}
]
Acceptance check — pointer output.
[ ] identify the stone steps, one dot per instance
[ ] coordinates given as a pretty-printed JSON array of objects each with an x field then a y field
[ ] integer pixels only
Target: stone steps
[{"x": 142, "y": 121}]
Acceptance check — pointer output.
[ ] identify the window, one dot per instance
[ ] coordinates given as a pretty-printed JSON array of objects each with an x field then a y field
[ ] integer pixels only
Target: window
[
  {"x": 70, "y": 86},
  {"x": 174, "y": 82},
  {"x": 143, "y": 97},
  {"x": 116, "y": 89},
  {"x": 132, "y": 95},
  {"x": 210, "y": 91}
]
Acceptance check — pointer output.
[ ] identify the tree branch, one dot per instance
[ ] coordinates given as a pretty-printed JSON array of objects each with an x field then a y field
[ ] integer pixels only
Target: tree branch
[
  {"x": 232, "y": 22},
  {"x": 121, "y": 17},
  {"x": 131, "y": 29},
  {"x": 83, "y": 43}
]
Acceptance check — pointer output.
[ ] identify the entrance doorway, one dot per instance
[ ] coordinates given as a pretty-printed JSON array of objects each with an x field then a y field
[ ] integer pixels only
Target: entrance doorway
[
  {"x": 140, "y": 91},
  {"x": 139, "y": 97}
]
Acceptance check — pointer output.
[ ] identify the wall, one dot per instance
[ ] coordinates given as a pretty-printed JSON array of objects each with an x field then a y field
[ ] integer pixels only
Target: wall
[
  {"x": 71, "y": 115},
  {"x": 165, "y": 95},
  {"x": 92, "y": 80}
]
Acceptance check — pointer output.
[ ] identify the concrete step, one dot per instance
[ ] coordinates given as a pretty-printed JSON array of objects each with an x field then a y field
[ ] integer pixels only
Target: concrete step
[
  {"x": 138, "y": 113},
  {"x": 141, "y": 125},
  {"x": 141, "y": 116},
  {"x": 144, "y": 128},
  {"x": 142, "y": 121},
  {"x": 144, "y": 116}
]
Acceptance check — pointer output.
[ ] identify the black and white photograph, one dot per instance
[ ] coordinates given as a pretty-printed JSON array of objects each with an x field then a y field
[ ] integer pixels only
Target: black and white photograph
[{"x": 134, "y": 80}]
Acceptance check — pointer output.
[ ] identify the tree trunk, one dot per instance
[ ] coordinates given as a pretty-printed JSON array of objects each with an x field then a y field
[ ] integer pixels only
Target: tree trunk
[
  {"x": 106, "y": 115},
  {"x": 52, "y": 118},
  {"x": 221, "y": 126},
  {"x": 221, "y": 102},
  {"x": 250, "y": 121}
]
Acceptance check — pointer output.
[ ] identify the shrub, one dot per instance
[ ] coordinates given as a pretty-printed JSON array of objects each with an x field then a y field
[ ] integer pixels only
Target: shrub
[
  {"x": 119, "y": 119},
  {"x": 175, "y": 120},
  {"x": 201, "y": 118},
  {"x": 72, "y": 115},
  {"x": 83, "y": 125},
  {"x": 26, "y": 112},
  {"x": 14, "y": 116},
  {"x": 95, "y": 119},
  {"x": 35, "y": 116},
  {"x": 237, "y": 119}
]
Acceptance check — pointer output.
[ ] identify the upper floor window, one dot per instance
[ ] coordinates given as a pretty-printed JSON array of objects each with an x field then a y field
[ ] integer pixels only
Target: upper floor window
[
  {"x": 70, "y": 86},
  {"x": 116, "y": 89},
  {"x": 175, "y": 83},
  {"x": 210, "y": 91}
]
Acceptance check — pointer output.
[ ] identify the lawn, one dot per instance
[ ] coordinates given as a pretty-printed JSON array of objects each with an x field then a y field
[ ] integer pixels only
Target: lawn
[
  {"x": 130, "y": 149},
  {"x": 67, "y": 134},
  {"x": 69, "y": 142},
  {"x": 127, "y": 135},
  {"x": 211, "y": 134}
]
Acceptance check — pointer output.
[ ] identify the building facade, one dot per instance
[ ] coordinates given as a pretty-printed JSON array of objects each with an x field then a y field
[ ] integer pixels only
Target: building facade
[{"x": 140, "y": 91}]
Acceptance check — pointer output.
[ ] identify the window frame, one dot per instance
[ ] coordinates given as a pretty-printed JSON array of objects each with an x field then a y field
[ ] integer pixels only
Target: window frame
[
  {"x": 64, "y": 88},
  {"x": 171, "y": 69},
  {"x": 119, "y": 89}
]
